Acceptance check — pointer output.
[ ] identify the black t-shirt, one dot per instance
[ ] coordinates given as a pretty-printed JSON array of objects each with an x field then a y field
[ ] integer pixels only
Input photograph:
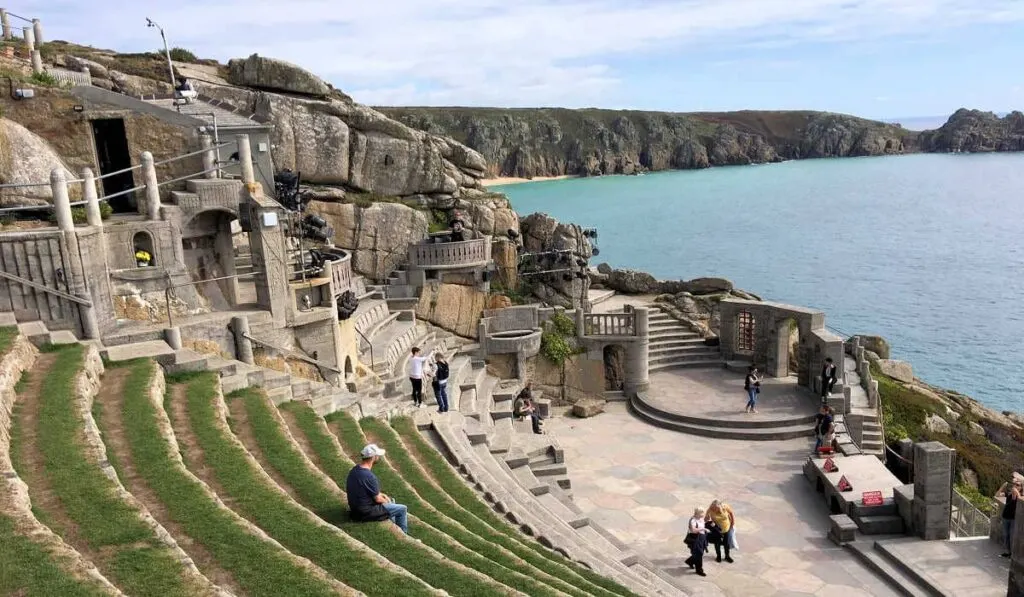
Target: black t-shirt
[
  {"x": 362, "y": 488},
  {"x": 823, "y": 422},
  {"x": 442, "y": 371},
  {"x": 1010, "y": 509},
  {"x": 749, "y": 382}
]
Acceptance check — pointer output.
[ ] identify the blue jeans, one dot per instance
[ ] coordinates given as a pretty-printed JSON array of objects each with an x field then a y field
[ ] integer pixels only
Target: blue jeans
[
  {"x": 752, "y": 397},
  {"x": 441, "y": 393},
  {"x": 1008, "y": 533},
  {"x": 399, "y": 515}
]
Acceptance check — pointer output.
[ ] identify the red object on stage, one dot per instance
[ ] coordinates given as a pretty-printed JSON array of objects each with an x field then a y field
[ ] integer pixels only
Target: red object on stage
[
  {"x": 825, "y": 450},
  {"x": 872, "y": 498},
  {"x": 830, "y": 466},
  {"x": 844, "y": 485}
]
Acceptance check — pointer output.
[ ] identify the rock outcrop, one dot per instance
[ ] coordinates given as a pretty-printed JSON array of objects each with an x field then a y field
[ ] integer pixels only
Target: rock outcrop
[
  {"x": 567, "y": 251},
  {"x": 976, "y": 131},
  {"x": 554, "y": 141},
  {"x": 456, "y": 308},
  {"x": 275, "y": 75},
  {"x": 378, "y": 236},
  {"x": 898, "y": 370},
  {"x": 26, "y": 158}
]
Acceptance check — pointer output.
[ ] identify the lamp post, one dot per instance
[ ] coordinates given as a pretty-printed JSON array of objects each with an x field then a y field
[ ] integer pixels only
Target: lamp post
[{"x": 170, "y": 68}]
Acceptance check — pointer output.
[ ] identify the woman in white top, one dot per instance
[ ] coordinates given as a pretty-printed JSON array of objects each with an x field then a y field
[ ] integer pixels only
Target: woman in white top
[
  {"x": 697, "y": 540},
  {"x": 416, "y": 375}
]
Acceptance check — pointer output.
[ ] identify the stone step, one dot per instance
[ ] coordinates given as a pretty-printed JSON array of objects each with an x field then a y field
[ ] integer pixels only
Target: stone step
[
  {"x": 500, "y": 440},
  {"x": 719, "y": 430},
  {"x": 186, "y": 360},
  {"x": 599, "y": 296},
  {"x": 154, "y": 349},
  {"x": 891, "y": 557},
  {"x": 689, "y": 362},
  {"x": 670, "y": 342},
  {"x": 751, "y": 423},
  {"x": 549, "y": 470},
  {"x": 880, "y": 525},
  {"x": 661, "y": 350},
  {"x": 35, "y": 331},
  {"x": 7, "y": 319},
  {"x": 62, "y": 337},
  {"x": 702, "y": 353},
  {"x": 886, "y": 570}
]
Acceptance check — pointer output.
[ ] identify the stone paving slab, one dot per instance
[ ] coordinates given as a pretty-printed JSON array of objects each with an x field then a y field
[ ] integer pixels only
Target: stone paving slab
[
  {"x": 963, "y": 568},
  {"x": 644, "y": 485},
  {"x": 718, "y": 395}
]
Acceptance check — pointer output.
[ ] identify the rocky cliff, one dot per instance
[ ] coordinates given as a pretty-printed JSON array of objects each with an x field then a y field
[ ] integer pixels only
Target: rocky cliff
[
  {"x": 555, "y": 141},
  {"x": 976, "y": 131}
]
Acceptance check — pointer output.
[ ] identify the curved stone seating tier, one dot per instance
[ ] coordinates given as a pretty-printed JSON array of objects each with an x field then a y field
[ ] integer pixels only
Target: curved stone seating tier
[
  {"x": 370, "y": 317},
  {"x": 393, "y": 342},
  {"x": 494, "y": 478}
]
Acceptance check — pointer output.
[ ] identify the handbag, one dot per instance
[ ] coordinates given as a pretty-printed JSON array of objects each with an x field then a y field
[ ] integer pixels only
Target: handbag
[{"x": 690, "y": 539}]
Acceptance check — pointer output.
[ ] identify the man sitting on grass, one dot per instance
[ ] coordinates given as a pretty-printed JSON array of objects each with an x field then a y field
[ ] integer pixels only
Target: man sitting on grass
[{"x": 366, "y": 503}]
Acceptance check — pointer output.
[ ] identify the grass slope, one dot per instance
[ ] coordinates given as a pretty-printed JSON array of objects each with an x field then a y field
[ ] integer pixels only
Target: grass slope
[
  {"x": 132, "y": 556},
  {"x": 281, "y": 519},
  {"x": 28, "y": 569},
  {"x": 439, "y": 469},
  {"x": 257, "y": 566},
  {"x": 492, "y": 560},
  {"x": 7, "y": 336},
  {"x": 286, "y": 459},
  {"x": 406, "y": 468}
]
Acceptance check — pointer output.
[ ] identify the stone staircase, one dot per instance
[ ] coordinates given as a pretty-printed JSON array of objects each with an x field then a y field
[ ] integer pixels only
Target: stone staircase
[
  {"x": 674, "y": 346},
  {"x": 742, "y": 429},
  {"x": 862, "y": 420},
  {"x": 879, "y": 557}
]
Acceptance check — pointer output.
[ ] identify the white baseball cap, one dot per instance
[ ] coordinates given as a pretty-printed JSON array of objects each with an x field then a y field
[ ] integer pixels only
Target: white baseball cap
[{"x": 372, "y": 450}]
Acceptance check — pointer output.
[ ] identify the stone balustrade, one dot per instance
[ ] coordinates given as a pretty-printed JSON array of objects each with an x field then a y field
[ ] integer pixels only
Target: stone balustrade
[
  {"x": 340, "y": 267},
  {"x": 451, "y": 255},
  {"x": 609, "y": 324}
]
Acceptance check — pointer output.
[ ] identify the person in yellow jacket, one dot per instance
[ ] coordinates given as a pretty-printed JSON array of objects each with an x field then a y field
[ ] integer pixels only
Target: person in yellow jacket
[{"x": 723, "y": 516}]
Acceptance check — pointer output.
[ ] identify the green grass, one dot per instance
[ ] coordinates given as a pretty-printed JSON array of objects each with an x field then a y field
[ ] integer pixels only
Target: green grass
[
  {"x": 133, "y": 558},
  {"x": 492, "y": 560},
  {"x": 287, "y": 461},
  {"x": 457, "y": 489},
  {"x": 287, "y": 523},
  {"x": 29, "y": 569},
  {"x": 493, "y": 547},
  {"x": 258, "y": 567},
  {"x": 7, "y": 336}
]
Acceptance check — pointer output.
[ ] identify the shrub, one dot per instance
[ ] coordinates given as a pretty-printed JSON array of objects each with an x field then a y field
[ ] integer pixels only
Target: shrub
[
  {"x": 45, "y": 79},
  {"x": 183, "y": 55},
  {"x": 558, "y": 340}
]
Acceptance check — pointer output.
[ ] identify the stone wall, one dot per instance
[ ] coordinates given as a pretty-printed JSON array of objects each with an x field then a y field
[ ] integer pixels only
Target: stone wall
[{"x": 453, "y": 307}]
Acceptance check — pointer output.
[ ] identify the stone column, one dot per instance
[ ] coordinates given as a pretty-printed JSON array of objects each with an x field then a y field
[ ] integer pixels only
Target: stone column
[
  {"x": 933, "y": 486},
  {"x": 152, "y": 188},
  {"x": 270, "y": 259},
  {"x": 245, "y": 159},
  {"x": 37, "y": 31},
  {"x": 5, "y": 22},
  {"x": 37, "y": 62},
  {"x": 636, "y": 366},
  {"x": 243, "y": 346},
  {"x": 209, "y": 157},
  {"x": 30, "y": 38},
  {"x": 92, "y": 203},
  {"x": 61, "y": 202}
]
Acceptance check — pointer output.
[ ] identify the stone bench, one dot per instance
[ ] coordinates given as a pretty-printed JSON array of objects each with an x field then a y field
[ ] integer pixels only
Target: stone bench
[{"x": 842, "y": 529}]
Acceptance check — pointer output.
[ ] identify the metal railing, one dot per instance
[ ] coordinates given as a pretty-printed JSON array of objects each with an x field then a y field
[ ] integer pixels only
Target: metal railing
[
  {"x": 373, "y": 362},
  {"x": 966, "y": 520},
  {"x": 609, "y": 324},
  {"x": 295, "y": 355},
  {"x": 170, "y": 287},
  {"x": 44, "y": 288}
]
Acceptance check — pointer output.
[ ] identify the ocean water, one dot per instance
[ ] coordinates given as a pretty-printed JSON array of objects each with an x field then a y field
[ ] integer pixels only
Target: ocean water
[{"x": 925, "y": 250}]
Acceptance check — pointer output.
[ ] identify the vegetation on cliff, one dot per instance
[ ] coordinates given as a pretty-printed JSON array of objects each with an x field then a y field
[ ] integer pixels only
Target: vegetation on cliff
[{"x": 555, "y": 141}]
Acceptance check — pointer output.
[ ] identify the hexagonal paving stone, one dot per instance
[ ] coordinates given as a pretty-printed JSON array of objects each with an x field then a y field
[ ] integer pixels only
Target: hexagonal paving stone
[
  {"x": 622, "y": 472},
  {"x": 737, "y": 583},
  {"x": 834, "y": 590},
  {"x": 778, "y": 557},
  {"x": 618, "y": 486},
  {"x": 793, "y": 580},
  {"x": 653, "y": 482},
  {"x": 613, "y": 501},
  {"x": 662, "y": 499},
  {"x": 652, "y": 514}
]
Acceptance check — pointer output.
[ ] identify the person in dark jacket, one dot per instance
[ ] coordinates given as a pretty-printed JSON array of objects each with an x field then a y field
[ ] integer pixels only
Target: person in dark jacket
[
  {"x": 523, "y": 407},
  {"x": 752, "y": 385},
  {"x": 697, "y": 541},
  {"x": 440, "y": 382},
  {"x": 1012, "y": 492},
  {"x": 366, "y": 502},
  {"x": 828, "y": 379}
]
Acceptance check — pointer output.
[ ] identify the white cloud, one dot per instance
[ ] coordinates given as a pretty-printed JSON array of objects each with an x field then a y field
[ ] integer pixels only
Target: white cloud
[{"x": 530, "y": 52}]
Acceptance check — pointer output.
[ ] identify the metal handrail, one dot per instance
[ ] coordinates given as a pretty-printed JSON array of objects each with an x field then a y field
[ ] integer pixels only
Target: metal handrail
[
  {"x": 373, "y": 362},
  {"x": 170, "y": 287},
  {"x": 121, "y": 171},
  {"x": 187, "y": 176},
  {"x": 194, "y": 153},
  {"x": 11, "y": 14},
  {"x": 112, "y": 196},
  {"x": 23, "y": 185},
  {"x": 44, "y": 288}
]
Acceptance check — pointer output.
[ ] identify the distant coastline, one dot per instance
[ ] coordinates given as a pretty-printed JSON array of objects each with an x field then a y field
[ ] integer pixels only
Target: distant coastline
[{"x": 505, "y": 180}]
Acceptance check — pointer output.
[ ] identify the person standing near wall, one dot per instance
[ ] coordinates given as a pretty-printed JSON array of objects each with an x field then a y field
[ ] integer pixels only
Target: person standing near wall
[
  {"x": 416, "y": 363},
  {"x": 828, "y": 379},
  {"x": 752, "y": 385},
  {"x": 1012, "y": 491},
  {"x": 440, "y": 372}
]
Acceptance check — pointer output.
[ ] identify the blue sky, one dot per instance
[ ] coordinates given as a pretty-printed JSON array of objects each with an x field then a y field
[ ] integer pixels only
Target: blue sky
[{"x": 877, "y": 58}]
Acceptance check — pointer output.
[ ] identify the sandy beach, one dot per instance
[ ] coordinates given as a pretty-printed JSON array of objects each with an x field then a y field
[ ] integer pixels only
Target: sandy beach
[{"x": 493, "y": 182}]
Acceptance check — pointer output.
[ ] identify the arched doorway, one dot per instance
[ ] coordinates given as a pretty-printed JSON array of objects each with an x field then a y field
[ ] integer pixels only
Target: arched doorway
[
  {"x": 792, "y": 356},
  {"x": 614, "y": 367},
  {"x": 142, "y": 246},
  {"x": 209, "y": 255}
]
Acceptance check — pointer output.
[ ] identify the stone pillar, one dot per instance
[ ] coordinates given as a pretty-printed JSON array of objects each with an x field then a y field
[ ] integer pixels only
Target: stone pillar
[
  {"x": 37, "y": 62},
  {"x": 37, "y": 31},
  {"x": 209, "y": 157},
  {"x": 1016, "y": 585},
  {"x": 636, "y": 365},
  {"x": 245, "y": 159},
  {"x": 933, "y": 486},
  {"x": 270, "y": 258},
  {"x": 152, "y": 188},
  {"x": 5, "y": 22},
  {"x": 92, "y": 203},
  {"x": 30, "y": 38},
  {"x": 61, "y": 202},
  {"x": 243, "y": 346},
  {"x": 172, "y": 336}
]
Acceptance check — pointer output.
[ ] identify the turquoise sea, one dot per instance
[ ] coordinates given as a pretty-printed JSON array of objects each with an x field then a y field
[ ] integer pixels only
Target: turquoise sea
[{"x": 926, "y": 250}]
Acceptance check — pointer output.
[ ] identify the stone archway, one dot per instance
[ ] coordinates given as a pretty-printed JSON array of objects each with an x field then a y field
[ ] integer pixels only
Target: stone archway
[
  {"x": 614, "y": 367},
  {"x": 208, "y": 247},
  {"x": 791, "y": 350}
]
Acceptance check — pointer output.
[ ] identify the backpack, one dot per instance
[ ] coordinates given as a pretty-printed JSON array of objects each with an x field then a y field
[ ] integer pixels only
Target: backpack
[{"x": 442, "y": 371}]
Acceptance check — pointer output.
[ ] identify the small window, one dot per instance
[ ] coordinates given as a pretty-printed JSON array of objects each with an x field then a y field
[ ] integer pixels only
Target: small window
[
  {"x": 142, "y": 244},
  {"x": 388, "y": 160},
  {"x": 745, "y": 332}
]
